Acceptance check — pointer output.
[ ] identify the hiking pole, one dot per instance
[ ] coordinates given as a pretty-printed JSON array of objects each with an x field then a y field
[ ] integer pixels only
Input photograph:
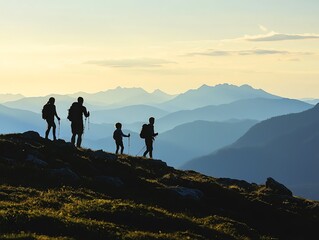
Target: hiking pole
[
  {"x": 140, "y": 150},
  {"x": 129, "y": 144},
  {"x": 59, "y": 129}
]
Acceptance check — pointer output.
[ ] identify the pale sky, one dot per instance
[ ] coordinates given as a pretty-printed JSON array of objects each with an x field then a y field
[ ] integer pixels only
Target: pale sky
[{"x": 66, "y": 46}]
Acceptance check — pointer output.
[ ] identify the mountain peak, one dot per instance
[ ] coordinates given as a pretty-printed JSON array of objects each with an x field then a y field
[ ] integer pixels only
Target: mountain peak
[
  {"x": 216, "y": 95},
  {"x": 159, "y": 92},
  {"x": 246, "y": 86},
  {"x": 204, "y": 86}
]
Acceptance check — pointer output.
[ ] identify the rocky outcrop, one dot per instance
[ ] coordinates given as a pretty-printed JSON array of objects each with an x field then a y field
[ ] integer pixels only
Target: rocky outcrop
[
  {"x": 277, "y": 187},
  {"x": 64, "y": 175},
  {"x": 36, "y": 161},
  {"x": 188, "y": 193},
  {"x": 109, "y": 181}
]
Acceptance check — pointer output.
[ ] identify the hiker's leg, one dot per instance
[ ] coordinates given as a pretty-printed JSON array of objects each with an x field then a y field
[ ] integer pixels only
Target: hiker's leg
[
  {"x": 151, "y": 149},
  {"x": 148, "y": 143},
  {"x": 48, "y": 130},
  {"x": 79, "y": 130},
  {"x": 79, "y": 141},
  {"x": 145, "y": 153},
  {"x": 54, "y": 130},
  {"x": 73, "y": 133},
  {"x": 122, "y": 147},
  {"x": 73, "y": 138},
  {"x": 117, "y": 148}
]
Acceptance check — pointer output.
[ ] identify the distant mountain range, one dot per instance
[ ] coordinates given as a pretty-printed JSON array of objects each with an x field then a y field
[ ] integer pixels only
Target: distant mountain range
[
  {"x": 215, "y": 95},
  {"x": 10, "y": 97},
  {"x": 258, "y": 109},
  {"x": 114, "y": 98},
  {"x": 189, "y": 140},
  {"x": 183, "y": 135},
  {"x": 16, "y": 120},
  {"x": 310, "y": 100},
  {"x": 35, "y": 104},
  {"x": 120, "y": 97},
  {"x": 128, "y": 114},
  {"x": 284, "y": 147}
]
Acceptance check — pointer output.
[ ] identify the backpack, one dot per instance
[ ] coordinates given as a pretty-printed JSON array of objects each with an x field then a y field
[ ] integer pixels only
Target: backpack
[
  {"x": 45, "y": 111},
  {"x": 72, "y": 112},
  {"x": 144, "y": 131}
]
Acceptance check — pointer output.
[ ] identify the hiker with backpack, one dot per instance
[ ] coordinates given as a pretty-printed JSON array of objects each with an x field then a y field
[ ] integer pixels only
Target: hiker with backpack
[
  {"x": 48, "y": 113},
  {"x": 76, "y": 112},
  {"x": 118, "y": 137},
  {"x": 149, "y": 135}
]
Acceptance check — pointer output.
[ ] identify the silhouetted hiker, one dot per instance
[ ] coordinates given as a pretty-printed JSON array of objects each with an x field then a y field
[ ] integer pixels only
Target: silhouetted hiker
[
  {"x": 76, "y": 112},
  {"x": 48, "y": 113},
  {"x": 148, "y": 134},
  {"x": 118, "y": 137}
]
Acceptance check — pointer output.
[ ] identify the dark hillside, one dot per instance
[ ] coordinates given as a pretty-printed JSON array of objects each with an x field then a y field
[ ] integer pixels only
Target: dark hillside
[{"x": 54, "y": 190}]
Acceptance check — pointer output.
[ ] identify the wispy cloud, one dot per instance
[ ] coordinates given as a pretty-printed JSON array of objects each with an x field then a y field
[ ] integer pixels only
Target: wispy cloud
[
  {"x": 258, "y": 52},
  {"x": 131, "y": 63},
  {"x": 263, "y": 28},
  {"x": 274, "y": 36}
]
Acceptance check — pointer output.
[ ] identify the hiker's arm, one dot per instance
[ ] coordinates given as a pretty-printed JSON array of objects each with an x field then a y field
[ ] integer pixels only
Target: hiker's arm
[
  {"x": 55, "y": 114},
  {"x": 154, "y": 134},
  {"x": 86, "y": 113},
  {"x": 123, "y": 135}
]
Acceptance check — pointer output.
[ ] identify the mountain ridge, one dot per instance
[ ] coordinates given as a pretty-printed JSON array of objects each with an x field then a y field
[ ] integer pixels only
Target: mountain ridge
[
  {"x": 258, "y": 109},
  {"x": 284, "y": 147},
  {"x": 216, "y": 95}
]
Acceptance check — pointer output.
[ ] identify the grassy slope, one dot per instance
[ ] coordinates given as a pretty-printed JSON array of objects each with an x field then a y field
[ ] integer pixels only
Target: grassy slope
[{"x": 139, "y": 203}]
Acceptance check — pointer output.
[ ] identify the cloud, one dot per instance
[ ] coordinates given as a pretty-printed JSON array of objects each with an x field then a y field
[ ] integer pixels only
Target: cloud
[
  {"x": 258, "y": 52},
  {"x": 263, "y": 28},
  {"x": 273, "y": 36},
  {"x": 131, "y": 63}
]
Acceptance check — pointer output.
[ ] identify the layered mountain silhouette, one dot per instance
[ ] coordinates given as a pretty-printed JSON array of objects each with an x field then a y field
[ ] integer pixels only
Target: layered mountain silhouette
[
  {"x": 310, "y": 100},
  {"x": 190, "y": 140},
  {"x": 10, "y": 97},
  {"x": 52, "y": 190},
  {"x": 285, "y": 147},
  {"x": 35, "y": 104},
  {"x": 258, "y": 109},
  {"x": 120, "y": 97},
  {"x": 129, "y": 114},
  {"x": 183, "y": 135},
  {"x": 215, "y": 95},
  {"x": 16, "y": 120}
]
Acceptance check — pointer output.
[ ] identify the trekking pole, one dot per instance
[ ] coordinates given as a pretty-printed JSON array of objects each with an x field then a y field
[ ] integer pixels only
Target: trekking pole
[
  {"x": 85, "y": 123},
  {"x": 140, "y": 150},
  {"x": 59, "y": 129},
  {"x": 88, "y": 123},
  {"x": 129, "y": 144}
]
